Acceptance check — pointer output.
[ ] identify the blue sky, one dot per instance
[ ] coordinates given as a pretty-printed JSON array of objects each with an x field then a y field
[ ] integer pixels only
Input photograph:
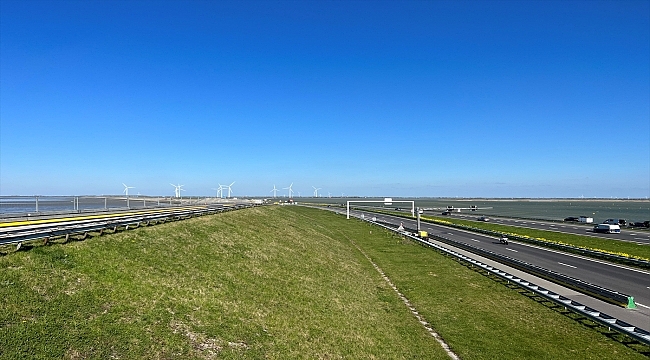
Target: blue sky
[{"x": 475, "y": 98}]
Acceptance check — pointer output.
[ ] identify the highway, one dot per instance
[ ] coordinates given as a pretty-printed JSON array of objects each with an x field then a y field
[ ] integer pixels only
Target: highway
[
  {"x": 626, "y": 280},
  {"x": 639, "y": 235}
]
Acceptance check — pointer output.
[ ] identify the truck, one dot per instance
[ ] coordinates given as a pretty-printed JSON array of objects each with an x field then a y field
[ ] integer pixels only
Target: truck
[
  {"x": 585, "y": 219},
  {"x": 607, "y": 229}
]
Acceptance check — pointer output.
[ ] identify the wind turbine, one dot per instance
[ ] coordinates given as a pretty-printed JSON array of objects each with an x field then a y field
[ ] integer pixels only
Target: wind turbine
[
  {"x": 126, "y": 191},
  {"x": 229, "y": 189},
  {"x": 274, "y": 191},
  {"x": 290, "y": 190},
  {"x": 218, "y": 190},
  {"x": 178, "y": 189},
  {"x": 316, "y": 191}
]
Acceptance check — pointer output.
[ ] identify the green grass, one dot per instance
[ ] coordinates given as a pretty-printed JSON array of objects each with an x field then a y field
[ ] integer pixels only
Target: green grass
[{"x": 272, "y": 282}]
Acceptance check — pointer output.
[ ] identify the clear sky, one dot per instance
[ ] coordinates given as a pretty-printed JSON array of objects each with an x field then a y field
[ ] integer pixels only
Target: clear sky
[{"x": 369, "y": 98}]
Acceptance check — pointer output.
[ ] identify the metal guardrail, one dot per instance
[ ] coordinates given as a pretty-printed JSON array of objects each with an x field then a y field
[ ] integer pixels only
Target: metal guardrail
[
  {"x": 19, "y": 235},
  {"x": 596, "y": 291},
  {"x": 610, "y": 322}
]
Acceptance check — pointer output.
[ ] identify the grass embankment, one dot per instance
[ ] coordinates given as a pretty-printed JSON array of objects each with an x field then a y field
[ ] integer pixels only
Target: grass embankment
[{"x": 273, "y": 282}]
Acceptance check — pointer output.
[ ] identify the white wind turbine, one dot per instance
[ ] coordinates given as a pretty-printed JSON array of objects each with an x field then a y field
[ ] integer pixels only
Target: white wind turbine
[
  {"x": 290, "y": 190},
  {"x": 316, "y": 191},
  {"x": 229, "y": 189},
  {"x": 218, "y": 190},
  {"x": 126, "y": 191},
  {"x": 178, "y": 189},
  {"x": 274, "y": 191}
]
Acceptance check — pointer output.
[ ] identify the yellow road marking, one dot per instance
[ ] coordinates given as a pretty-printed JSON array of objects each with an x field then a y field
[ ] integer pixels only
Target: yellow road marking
[{"x": 91, "y": 217}]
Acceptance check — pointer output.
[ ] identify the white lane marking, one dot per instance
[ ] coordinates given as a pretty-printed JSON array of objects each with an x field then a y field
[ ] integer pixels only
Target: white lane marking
[
  {"x": 476, "y": 240},
  {"x": 512, "y": 250},
  {"x": 633, "y": 234},
  {"x": 645, "y": 306},
  {"x": 571, "y": 266},
  {"x": 639, "y": 238}
]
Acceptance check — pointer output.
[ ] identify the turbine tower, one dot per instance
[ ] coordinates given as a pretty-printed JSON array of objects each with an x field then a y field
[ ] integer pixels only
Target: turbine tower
[
  {"x": 178, "y": 189},
  {"x": 229, "y": 189},
  {"x": 290, "y": 190},
  {"x": 316, "y": 191},
  {"x": 126, "y": 191},
  {"x": 274, "y": 191}
]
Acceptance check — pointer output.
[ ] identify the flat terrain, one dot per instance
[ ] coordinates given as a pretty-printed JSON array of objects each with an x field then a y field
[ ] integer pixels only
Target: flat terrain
[{"x": 273, "y": 282}]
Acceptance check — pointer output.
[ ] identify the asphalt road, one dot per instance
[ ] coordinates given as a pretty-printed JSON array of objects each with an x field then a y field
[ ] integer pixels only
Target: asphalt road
[
  {"x": 626, "y": 280},
  {"x": 627, "y": 234}
]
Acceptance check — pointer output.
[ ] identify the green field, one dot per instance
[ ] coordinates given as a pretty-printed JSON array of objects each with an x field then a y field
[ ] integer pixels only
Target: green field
[{"x": 277, "y": 283}]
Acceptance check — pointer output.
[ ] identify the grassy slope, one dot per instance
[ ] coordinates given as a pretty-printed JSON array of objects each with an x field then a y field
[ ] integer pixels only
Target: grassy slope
[
  {"x": 254, "y": 283},
  {"x": 275, "y": 282}
]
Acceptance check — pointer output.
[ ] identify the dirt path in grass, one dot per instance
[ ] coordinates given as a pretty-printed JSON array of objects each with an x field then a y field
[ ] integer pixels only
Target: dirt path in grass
[{"x": 404, "y": 299}]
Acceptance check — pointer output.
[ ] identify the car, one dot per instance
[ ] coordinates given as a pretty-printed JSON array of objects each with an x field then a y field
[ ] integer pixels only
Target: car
[
  {"x": 571, "y": 218},
  {"x": 607, "y": 229},
  {"x": 445, "y": 213},
  {"x": 640, "y": 224},
  {"x": 483, "y": 218}
]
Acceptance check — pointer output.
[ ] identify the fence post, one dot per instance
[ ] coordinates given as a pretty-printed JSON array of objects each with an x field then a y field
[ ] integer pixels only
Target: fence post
[{"x": 37, "y": 204}]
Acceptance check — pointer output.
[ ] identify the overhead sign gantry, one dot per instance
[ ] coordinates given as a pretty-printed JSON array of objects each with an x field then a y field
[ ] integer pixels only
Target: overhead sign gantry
[{"x": 386, "y": 201}]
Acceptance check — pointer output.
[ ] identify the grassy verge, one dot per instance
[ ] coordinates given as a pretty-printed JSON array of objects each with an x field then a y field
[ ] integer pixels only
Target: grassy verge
[{"x": 273, "y": 282}]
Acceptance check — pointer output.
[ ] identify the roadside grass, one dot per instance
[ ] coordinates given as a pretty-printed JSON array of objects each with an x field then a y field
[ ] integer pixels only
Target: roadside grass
[
  {"x": 272, "y": 282},
  {"x": 483, "y": 318}
]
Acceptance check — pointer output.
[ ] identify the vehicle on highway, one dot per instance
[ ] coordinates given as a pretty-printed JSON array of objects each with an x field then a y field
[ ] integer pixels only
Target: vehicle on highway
[
  {"x": 620, "y": 222},
  {"x": 503, "y": 239},
  {"x": 483, "y": 218},
  {"x": 640, "y": 224},
  {"x": 607, "y": 229},
  {"x": 445, "y": 213},
  {"x": 571, "y": 218}
]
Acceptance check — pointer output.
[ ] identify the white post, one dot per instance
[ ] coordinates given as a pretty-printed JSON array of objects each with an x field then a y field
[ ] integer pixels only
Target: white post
[
  {"x": 37, "y": 204},
  {"x": 413, "y": 209},
  {"x": 348, "y": 209},
  {"x": 418, "y": 210},
  {"x": 105, "y": 203}
]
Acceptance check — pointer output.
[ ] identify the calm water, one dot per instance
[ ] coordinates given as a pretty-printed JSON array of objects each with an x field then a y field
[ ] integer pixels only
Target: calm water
[
  {"x": 26, "y": 204},
  {"x": 631, "y": 210}
]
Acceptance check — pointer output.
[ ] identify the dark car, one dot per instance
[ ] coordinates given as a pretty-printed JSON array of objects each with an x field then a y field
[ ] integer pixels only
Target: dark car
[
  {"x": 571, "y": 218},
  {"x": 446, "y": 213},
  {"x": 640, "y": 224}
]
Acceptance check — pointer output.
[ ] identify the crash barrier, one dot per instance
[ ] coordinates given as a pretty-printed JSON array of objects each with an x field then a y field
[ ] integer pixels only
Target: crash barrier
[
  {"x": 549, "y": 244},
  {"x": 610, "y": 322},
  {"x": 17, "y": 235},
  {"x": 607, "y": 295}
]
